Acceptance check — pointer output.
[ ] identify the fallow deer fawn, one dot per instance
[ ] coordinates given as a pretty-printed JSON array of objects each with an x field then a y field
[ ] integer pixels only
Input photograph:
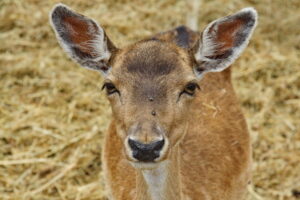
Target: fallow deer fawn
[{"x": 177, "y": 130}]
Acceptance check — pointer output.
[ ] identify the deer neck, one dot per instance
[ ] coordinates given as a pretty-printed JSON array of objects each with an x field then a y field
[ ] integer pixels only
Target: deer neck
[{"x": 162, "y": 182}]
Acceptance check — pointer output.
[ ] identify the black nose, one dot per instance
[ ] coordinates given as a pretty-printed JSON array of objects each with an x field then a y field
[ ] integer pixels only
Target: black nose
[{"x": 146, "y": 152}]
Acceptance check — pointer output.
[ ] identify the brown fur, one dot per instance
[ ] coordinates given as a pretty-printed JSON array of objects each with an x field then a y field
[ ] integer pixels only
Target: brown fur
[
  {"x": 211, "y": 161},
  {"x": 167, "y": 139}
]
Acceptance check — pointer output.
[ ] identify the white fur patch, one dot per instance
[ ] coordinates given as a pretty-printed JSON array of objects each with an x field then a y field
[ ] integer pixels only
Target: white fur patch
[{"x": 156, "y": 180}]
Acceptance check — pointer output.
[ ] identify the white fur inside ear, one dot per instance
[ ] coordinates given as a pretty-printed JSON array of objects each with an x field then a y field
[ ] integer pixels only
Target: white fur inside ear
[
  {"x": 209, "y": 45},
  {"x": 98, "y": 45}
]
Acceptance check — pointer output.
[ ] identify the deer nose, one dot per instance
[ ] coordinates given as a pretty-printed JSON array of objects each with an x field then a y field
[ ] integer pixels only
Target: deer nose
[{"x": 146, "y": 152}]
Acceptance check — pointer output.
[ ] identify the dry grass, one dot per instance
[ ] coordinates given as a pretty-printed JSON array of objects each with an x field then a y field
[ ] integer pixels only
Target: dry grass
[{"x": 53, "y": 115}]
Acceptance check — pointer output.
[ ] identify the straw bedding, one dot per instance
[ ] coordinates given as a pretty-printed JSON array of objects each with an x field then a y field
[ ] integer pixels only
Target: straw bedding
[{"x": 53, "y": 114}]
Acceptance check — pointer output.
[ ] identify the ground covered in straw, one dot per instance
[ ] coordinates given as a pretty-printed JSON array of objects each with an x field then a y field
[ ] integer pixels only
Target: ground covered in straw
[{"x": 53, "y": 114}]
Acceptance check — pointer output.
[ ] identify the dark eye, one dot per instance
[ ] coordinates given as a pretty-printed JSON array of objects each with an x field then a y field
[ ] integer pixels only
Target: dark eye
[
  {"x": 110, "y": 88},
  {"x": 190, "y": 88}
]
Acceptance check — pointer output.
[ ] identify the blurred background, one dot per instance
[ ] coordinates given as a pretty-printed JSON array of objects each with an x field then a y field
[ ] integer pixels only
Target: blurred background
[{"x": 53, "y": 114}]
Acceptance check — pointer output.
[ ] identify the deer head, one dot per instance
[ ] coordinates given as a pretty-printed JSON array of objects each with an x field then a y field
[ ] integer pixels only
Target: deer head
[{"x": 152, "y": 83}]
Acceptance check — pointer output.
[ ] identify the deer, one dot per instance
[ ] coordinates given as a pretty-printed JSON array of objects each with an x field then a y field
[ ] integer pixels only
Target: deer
[{"x": 177, "y": 130}]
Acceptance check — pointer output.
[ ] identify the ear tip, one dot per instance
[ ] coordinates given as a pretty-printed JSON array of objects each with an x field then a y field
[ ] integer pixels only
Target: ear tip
[
  {"x": 59, "y": 9},
  {"x": 250, "y": 11},
  {"x": 59, "y": 6},
  {"x": 57, "y": 12},
  {"x": 249, "y": 15}
]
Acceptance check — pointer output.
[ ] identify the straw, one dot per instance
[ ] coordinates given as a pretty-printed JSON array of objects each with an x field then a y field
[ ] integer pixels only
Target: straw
[{"x": 51, "y": 108}]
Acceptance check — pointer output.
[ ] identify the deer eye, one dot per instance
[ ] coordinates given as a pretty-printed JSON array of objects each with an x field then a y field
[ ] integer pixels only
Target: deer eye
[
  {"x": 110, "y": 88},
  {"x": 190, "y": 88}
]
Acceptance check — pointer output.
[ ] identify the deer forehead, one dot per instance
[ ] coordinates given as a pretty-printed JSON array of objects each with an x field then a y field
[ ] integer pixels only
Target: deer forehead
[
  {"x": 151, "y": 68},
  {"x": 151, "y": 59}
]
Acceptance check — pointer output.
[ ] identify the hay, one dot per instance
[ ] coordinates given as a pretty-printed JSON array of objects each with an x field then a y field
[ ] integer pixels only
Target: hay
[{"x": 53, "y": 114}]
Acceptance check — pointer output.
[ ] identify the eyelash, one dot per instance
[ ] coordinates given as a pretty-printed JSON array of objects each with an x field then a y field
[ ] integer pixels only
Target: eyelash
[
  {"x": 110, "y": 88},
  {"x": 190, "y": 89}
]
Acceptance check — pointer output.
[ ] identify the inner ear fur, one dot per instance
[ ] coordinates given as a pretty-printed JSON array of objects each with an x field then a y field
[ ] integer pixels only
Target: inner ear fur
[
  {"x": 82, "y": 38},
  {"x": 223, "y": 40}
]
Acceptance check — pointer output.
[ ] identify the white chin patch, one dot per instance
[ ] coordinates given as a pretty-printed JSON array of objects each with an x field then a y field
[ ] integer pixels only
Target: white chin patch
[{"x": 146, "y": 166}]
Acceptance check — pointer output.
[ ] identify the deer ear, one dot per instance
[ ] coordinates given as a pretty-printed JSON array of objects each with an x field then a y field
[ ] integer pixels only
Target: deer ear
[
  {"x": 223, "y": 41},
  {"x": 82, "y": 38}
]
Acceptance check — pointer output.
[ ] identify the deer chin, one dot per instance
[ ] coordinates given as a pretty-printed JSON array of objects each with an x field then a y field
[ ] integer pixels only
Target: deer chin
[{"x": 147, "y": 165}]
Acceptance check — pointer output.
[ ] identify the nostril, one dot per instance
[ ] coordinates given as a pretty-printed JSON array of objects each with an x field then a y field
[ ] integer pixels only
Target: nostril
[
  {"x": 158, "y": 145},
  {"x": 146, "y": 152},
  {"x": 134, "y": 145}
]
